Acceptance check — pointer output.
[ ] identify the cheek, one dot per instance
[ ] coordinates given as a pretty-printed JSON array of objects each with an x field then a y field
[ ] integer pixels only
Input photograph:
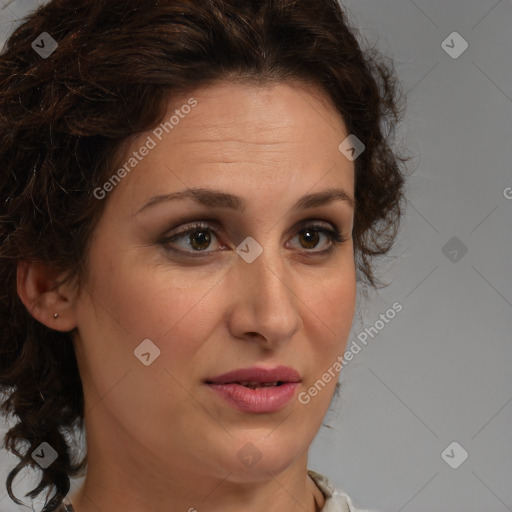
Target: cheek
[
  {"x": 146, "y": 297},
  {"x": 331, "y": 307},
  {"x": 131, "y": 302},
  {"x": 333, "y": 299}
]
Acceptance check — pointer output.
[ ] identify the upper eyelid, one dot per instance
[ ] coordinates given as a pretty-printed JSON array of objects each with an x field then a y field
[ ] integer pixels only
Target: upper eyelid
[
  {"x": 336, "y": 216},
  {"x": 328, "y": 228},
  {"x": 217, "y": 226}
]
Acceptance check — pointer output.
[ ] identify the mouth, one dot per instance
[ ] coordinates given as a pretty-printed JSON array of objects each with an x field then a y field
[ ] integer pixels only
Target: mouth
[
  {"x": 258, "y": 377},
  {"x": 252, "y": 385},
  {"x": 257, "y": 389}
]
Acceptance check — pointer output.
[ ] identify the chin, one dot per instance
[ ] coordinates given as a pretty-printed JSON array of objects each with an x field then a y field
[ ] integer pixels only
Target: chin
[{"x": 258, "y": 458}]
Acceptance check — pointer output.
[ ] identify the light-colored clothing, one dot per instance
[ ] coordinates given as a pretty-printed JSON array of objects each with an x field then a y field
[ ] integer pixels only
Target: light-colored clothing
[{"x": 335, "y": 501}]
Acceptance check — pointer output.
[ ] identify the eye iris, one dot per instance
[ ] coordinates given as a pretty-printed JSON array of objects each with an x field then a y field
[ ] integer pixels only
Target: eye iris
[
  {"x": 200, "y": 239},
  {"x": 307, "y": 233},
  {"x": 205, "y": 238}
]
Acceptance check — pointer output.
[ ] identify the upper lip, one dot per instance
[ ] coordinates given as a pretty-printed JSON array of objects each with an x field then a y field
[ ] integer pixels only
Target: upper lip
[{"x": 257, "y": 374}]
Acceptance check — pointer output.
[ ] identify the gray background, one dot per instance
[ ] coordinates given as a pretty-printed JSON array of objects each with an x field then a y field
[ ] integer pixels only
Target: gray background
[{"x": 439, "y": 371}]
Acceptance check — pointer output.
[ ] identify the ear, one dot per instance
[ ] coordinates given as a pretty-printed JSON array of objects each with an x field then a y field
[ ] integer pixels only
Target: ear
[{"x": 39, "y": 289}]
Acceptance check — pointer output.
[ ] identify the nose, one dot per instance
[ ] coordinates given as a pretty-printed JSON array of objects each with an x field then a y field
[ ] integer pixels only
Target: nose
[{"x": 266, "y": 301}]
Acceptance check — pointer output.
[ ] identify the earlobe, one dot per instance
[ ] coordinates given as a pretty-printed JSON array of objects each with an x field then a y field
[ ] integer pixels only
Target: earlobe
[{"x": 46, "y": 299}]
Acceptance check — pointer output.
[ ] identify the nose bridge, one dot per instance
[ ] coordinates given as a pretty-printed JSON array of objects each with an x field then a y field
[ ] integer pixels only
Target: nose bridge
[
  {"x": 264, "y": 268},
  {"x": 266, "y": 290},
  {"x": 269, "y": 273}
]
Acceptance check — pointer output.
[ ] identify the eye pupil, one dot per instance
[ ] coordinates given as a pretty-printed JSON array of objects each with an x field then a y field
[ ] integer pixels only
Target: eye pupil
[
  {"x": 205, "y": 237},
  {"x": 307, "y": 234}
]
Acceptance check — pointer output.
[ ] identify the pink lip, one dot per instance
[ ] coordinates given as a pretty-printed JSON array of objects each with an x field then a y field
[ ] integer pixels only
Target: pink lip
[
  {"x": 257, "y": 374},
  {"x": 259, "y": 400}
]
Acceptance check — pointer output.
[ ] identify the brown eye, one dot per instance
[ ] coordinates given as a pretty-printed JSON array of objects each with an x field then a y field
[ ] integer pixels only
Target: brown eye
[
  {"x": 202, "y": 237},
  {"x": 198, "y": 239},
  {"x": 311, "y": 237}
]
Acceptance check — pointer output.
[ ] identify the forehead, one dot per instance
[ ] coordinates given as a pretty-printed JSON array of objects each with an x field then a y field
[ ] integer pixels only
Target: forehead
[
  {"x": 263, "y": 113},
  {"x": 279, "y": 133}
]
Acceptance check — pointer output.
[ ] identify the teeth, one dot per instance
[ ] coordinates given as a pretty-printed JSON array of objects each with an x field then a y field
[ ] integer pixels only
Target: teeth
[{"x": 254, "y": 385}]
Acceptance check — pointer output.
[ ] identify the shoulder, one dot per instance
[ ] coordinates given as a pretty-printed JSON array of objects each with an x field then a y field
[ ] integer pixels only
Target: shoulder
[{"x": 335, "y": 500}]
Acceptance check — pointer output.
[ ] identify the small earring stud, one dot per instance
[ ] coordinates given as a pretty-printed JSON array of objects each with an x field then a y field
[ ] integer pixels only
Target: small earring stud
[{"x": 55, "y": 315}]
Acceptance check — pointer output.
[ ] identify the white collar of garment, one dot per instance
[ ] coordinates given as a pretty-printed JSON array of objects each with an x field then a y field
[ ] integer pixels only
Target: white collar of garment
[{"x": 335, "y": 500}]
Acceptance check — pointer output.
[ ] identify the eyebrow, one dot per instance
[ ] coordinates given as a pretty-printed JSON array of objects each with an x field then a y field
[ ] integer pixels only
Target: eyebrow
[{"x": 217, "y": 199}]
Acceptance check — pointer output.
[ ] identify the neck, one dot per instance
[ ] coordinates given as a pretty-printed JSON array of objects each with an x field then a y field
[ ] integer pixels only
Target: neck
[{"x": 312, "y": 500}]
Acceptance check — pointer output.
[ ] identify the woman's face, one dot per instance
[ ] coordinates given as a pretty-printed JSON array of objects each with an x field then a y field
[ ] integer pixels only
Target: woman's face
[{"x": 206, "y": 308}]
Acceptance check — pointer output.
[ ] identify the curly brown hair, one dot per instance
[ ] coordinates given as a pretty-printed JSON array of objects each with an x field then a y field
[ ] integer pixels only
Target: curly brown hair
[{"x": 66, "y": 120}]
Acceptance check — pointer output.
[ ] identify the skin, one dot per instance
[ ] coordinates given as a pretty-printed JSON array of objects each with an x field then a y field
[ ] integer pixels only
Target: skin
[{"x": 158, "y": 438}]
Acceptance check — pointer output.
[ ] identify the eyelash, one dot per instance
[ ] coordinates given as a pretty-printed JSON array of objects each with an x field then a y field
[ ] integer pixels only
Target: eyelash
[{"x": 334, "y": 236}]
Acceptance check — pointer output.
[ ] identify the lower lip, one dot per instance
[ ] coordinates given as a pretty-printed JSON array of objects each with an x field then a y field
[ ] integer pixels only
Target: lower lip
[{"x": 245, "y": 399}]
